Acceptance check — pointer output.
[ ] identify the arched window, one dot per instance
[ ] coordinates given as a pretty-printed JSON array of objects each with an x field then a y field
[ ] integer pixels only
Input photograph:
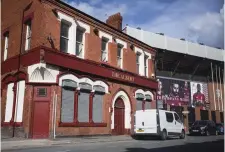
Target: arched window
[
  {"x": 98, "y": 103},
  {"x": 67, "y": 108},
  {"x": 140, "y": 101}
]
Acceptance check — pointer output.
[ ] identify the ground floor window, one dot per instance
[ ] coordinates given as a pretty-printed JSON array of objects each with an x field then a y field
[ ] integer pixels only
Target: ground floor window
[
  {"x": 81, "y": 103},
  {"x": 143, "y": 102}
]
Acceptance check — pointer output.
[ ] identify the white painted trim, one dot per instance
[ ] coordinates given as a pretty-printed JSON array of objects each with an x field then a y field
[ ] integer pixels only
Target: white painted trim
[
  {"x": 6, "y": 47},
  {"x": 144, "y": 93},
  {"x": 20, "y": 102},
  {"x": 28, "y": 27},
  {"x": 70, "y": 77},
  {"x": 9, "y": 102},
  {"x": 103, "y": 34},
  {"x": 83, "y": 80},
  {"x": 86, "y": 27},
  {"x": 86, "y": 80},
  {"x": 149, "y": 93},
  {"x": 71, "y": 33},
  {"x": 139, "y": 91},
  {"x": 109, "y": 38},
  {"x": 142, "y": 58},
  {"x": 118, "y": 41},
  {"x": 127, "y": 115},
  {"x": 100, "y": 83},
  {"x": 50, "y": 74}
]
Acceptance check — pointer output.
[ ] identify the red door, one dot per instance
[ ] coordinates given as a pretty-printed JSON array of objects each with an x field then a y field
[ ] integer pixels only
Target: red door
[
  {"x": 40, "y": 126},
  {"x": 119, "y": 117}
]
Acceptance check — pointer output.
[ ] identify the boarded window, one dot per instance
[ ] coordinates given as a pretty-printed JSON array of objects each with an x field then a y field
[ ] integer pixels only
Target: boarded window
[
  {"x": 83, "y": 106},
  {"x": 98, "y": 107},
  {"x": 139, "y": 104},
  {"x": 67, "y": 109},
  {"x": 147, "y": 105}
]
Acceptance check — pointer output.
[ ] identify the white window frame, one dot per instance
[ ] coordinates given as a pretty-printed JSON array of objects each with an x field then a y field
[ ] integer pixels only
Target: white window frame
[
  {"x": 146, "y": 57},
  {"x": 68, "y": 38},
  {"x": 6, "y": 46},
  {"x": 141, "y": 58},
  {"x": 72, "y": 32},
  {"x": 106, "y": 49},
  {"x": 109, "y": 38},
  {"x": 138, "y": 63},
  {"x": 120, "y": 58},
  {"x": 81, "y": 53},
  {"x": 28, "y": 35}
]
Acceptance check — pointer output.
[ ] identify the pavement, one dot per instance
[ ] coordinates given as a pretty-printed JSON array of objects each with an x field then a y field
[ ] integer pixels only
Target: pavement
[{"x": 117, "y": 144}]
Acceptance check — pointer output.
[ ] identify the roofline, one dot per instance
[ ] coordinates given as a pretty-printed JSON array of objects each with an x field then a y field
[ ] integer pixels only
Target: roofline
[{"x": 103, "y": 23}]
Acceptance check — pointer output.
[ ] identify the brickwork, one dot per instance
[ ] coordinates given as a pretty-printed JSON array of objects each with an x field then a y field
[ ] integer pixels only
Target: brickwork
[
  {"x": 128, "y": 57},
  {"x": 112, "y": 54},
  {"x": 92, "y": 47}
]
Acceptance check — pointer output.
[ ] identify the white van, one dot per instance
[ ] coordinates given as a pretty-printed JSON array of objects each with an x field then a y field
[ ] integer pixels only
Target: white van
[{"x": 168, "y": 123}]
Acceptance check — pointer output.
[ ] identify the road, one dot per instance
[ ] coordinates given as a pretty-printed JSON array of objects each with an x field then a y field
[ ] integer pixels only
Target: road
[{"x": 190, "y": 144}]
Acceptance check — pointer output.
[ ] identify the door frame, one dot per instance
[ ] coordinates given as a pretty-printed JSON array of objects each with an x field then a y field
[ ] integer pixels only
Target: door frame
[
  {"x": 123, "y": 115},
  {"x": 34, "y": 99}
]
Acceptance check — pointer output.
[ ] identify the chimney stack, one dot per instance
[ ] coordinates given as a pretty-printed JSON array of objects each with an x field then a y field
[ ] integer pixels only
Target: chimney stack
[{"x": 115, "y": 21}]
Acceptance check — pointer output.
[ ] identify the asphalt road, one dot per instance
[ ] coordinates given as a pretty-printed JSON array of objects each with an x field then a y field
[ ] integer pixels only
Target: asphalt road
[{"x": 190, "y": 144}]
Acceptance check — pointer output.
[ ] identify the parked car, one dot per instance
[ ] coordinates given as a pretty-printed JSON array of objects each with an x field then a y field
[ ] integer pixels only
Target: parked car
[
  {"x": 164, "y": 124},
  {"x": 220, "y": 128},
  {"x": 203, "y": 127}
]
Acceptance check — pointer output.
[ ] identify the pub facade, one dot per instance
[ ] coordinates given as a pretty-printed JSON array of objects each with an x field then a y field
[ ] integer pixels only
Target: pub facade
[{"x": 66, "y": 73}]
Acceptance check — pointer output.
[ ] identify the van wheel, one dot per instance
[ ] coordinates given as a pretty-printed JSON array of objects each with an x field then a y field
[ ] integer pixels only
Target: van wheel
[
  {"x": 182, "y": 135},
  {"x": 163, "y": 135}
]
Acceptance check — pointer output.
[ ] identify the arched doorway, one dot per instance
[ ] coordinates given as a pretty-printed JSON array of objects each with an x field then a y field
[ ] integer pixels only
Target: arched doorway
[{"x": 119, "y": 117}]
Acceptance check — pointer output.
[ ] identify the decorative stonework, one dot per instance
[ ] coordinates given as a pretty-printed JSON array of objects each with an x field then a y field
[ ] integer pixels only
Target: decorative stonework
[{"x": 41, "y": 72}]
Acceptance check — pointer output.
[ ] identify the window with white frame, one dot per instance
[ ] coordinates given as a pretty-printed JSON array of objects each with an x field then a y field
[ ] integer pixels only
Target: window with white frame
[
  {"x": 28, "y": 35},
  {"x": 146, "y": 65},
  {"x": 119, "y": 55},
  {"x": 79, "y": 42},
  {"x": 6, "y": 37},
  {"x": 64, "y": 36},
  {"x": 138, "y": 62},
  {"x": 104, "y": 49}
]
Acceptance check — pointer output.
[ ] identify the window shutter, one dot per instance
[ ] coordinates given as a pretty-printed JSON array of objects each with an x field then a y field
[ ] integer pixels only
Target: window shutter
[
  {"x": 147, "y": 105},
  {"x": 83, "y": 106},
  {"x": 67, "y": 110},
  {"x": 139, "y": 104},
  {"x": 97, "y": 107}
]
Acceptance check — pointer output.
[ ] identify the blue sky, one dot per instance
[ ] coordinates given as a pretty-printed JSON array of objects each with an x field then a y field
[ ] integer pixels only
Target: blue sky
[{"x": 195, "y": 20}]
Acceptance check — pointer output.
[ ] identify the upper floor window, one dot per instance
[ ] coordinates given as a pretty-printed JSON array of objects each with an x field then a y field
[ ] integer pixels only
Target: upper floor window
[
  {"x": 138, "y": 62},
  {"x": 146, "y": 65},
  {"x": 104, "y": 50},
  {"x": 79, "y": 42},
  {"x": 119, "y": 55},
  {"x": 6, "y": 37},
  {"x": 28, "y": 35},
  {"x": 64, "y": 37}
]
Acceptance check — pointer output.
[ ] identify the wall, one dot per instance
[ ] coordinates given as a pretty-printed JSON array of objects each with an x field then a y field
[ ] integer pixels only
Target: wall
[
  {"x": 114, "y": 88},
  {"x": 45, "y": 24}
]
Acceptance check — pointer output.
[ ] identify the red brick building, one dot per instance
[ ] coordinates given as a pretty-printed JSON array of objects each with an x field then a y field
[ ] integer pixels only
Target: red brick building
[{"x": 66, "y": 73}]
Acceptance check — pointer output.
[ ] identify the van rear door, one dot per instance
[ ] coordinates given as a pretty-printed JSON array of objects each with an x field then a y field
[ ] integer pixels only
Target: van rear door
[{"x": 146, "y": 122}]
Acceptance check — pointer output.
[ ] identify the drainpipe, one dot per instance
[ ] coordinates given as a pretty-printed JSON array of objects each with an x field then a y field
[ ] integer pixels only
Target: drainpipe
[{"x": 18, "y": 68}]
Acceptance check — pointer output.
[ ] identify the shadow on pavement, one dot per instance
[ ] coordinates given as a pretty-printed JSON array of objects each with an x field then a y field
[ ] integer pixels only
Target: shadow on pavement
[{"x": 214, "y": 146}]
